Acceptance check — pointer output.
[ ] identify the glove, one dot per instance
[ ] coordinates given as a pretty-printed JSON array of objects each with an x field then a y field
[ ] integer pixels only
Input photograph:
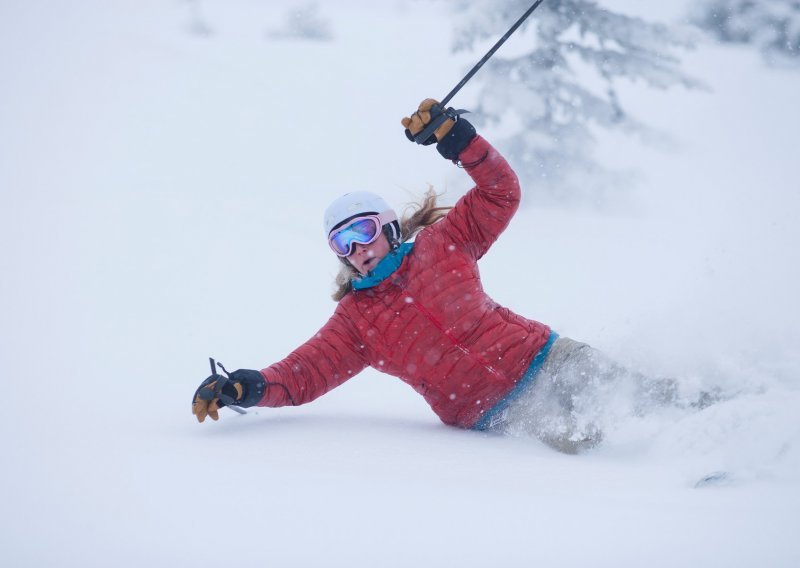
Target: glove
[
  {"x": 420, "y": 119},
  {"x": 243, "y": 388},
  {"x": 452, "y": 136}
]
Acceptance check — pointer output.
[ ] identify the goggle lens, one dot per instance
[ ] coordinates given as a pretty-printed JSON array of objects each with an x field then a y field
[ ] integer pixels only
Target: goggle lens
[{"x": 363, "y": 231}]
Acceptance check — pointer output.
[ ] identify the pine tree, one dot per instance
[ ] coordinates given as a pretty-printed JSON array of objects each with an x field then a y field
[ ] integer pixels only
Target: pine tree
[
  {"x": 772, "y": 26},
  {"x": 563, "y": 86}
]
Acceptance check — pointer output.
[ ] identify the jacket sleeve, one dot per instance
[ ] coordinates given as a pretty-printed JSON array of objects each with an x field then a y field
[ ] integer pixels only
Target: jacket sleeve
[
  {"x": 484, "y": 212},
  {"x": 322, "y": 363}
]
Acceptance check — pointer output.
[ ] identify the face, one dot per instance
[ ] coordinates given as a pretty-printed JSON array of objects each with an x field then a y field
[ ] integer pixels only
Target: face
[{"x": 366, "y": 257}]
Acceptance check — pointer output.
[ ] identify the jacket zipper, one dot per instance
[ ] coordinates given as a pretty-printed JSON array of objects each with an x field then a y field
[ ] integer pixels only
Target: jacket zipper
[{"x": 425, "y": 312}]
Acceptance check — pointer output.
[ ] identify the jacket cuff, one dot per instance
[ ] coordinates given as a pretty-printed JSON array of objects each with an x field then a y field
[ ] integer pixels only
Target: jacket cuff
[
  {"x": 457, "y": 139},
  {"x": 254, "y": 386}
]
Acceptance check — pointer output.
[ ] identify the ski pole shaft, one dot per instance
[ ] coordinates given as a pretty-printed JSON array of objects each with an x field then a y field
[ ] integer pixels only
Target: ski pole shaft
[
  {"x": 486, "y": 57},
  {"x": 425, "y": 136}
]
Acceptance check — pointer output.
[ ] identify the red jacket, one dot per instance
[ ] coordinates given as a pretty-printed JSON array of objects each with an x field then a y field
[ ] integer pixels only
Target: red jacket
[{"x": 430, "y": 323}]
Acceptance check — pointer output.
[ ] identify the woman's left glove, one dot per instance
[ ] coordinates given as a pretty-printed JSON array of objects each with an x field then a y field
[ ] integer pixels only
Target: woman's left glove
[
  {"x": 244, "y": 388},
  {"x": 427, "y": 110},
  {"x": 452, "y": 136}
]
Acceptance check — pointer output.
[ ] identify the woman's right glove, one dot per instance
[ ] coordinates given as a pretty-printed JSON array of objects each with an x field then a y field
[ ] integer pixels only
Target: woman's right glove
[
  {"x": 244, "y": 388},
  {"x": 452, "y": 136}
]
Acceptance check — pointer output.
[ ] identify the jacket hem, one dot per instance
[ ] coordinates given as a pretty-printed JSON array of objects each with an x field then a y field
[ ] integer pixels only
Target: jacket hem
[{"x": 496, "y": 411}]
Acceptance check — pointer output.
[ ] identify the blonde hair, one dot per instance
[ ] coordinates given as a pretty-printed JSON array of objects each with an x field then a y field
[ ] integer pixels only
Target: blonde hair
[{"x": 416, "y": 217}]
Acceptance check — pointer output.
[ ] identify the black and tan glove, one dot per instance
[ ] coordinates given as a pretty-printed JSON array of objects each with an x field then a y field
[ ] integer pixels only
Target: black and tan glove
[
  {"x": 451, "y": 137},
  {"x": 428, "y": 109},
  {"x": 243, "y": 388}
]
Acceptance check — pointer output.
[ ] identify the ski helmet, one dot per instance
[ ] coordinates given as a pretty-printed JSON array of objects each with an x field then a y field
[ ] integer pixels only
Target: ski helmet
[{"x": 351, "y": 205}]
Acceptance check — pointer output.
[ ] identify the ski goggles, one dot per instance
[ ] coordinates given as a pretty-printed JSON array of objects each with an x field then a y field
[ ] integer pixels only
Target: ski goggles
[{"x": 363, "y": 230}]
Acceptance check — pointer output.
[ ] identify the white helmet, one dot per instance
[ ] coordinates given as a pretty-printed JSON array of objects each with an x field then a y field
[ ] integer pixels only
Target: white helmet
[{"x": 359, "y": 203}]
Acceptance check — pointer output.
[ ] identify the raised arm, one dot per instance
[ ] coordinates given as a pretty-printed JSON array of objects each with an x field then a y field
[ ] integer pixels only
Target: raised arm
[{"x": 485, "y": 211}]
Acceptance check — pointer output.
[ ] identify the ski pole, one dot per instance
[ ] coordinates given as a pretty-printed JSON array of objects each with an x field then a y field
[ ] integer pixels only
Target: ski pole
[
  {"x": 436, "y": 122},
  {"x": 229, "y": 402}
]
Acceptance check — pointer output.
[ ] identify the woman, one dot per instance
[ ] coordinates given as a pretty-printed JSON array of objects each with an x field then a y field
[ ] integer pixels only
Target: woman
[{"x": 418, "y": 311}]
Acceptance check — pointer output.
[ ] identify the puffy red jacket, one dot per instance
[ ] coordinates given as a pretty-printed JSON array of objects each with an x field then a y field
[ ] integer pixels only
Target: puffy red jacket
[{"x": 430, "y": 323}]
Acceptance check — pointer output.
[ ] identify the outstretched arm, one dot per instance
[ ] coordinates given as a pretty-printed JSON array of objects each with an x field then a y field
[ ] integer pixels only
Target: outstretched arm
[
  {"x": 333, "y": 355},
  {"x": 322, "y": 363}
]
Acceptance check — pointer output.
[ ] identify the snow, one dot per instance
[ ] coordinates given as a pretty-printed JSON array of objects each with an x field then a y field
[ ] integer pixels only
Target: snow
[{"x": 162, "y": 197}]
